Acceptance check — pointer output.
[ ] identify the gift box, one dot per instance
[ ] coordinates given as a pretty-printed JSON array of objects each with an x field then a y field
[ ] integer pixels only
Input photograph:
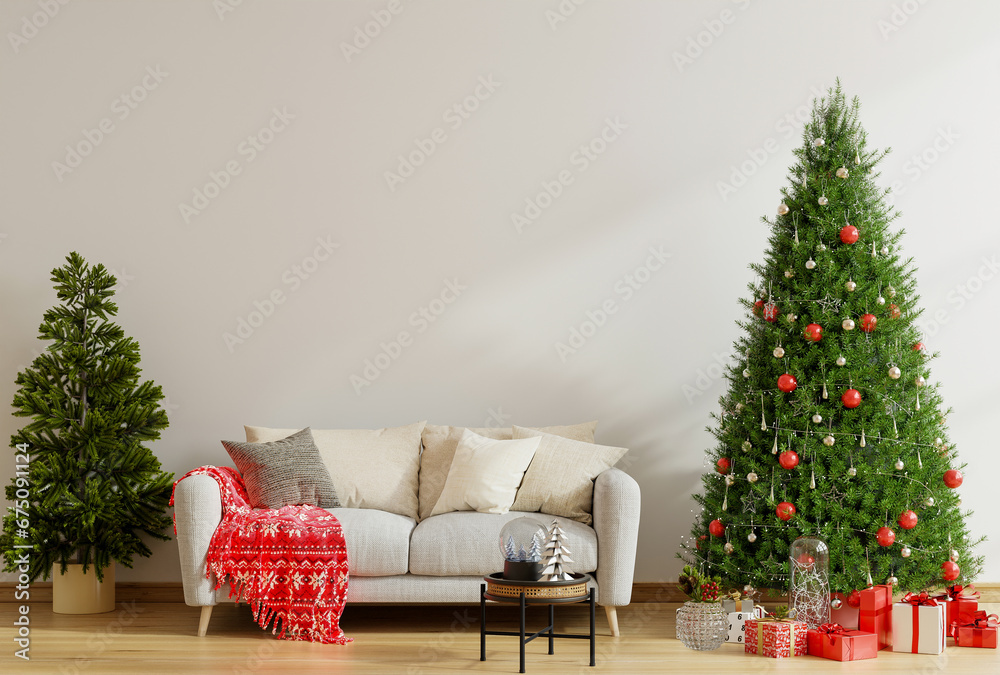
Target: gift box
[
  {"x": 833, "y": 641},
  {"x": 980, "y": 632},
  {"x": 730, "y": 605},
  {"x": 776, "y": 638},
  {"x": 960, "y": 604},
  {"x": 875, "y": 613},
  {"x": 737, "y": 623},
  {"x": 918, "y": 625},
  {"x": 846, "y": 616}
]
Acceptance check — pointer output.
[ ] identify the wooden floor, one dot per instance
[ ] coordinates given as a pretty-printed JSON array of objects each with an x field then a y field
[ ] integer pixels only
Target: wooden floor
[{"x": 160, "y": 638}]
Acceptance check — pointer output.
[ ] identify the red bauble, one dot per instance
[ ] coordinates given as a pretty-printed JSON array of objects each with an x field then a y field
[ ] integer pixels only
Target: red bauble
[
  {"x": 787, "y": 383},
  {"x": 722, "y": 465},
  {"x": 851, "y": 398},
  {"x": 789, "y": 459},
  {"x": 868, "y": 322},
  {"x": 907, "y": 520},
  {"x": 785, "y": 510},
  {"x": 814, "y": 332},
  {"x": 949, "y": 570},
  {"x": 885, "y": 536},
  {"x": 771, "y": 312},
  {"x": 918, "y": 347},
  {"x": 716, "y": 528},
  {"x": 805, "y": 559},
  {"x": 758, "y": 308},
  {"x": 701, "y": 539},
  {"x": 953, "y": 478},
  {"x": 848, "y": 234},
  {"x": 894, "y": 311},
  {"x": 854, "y": 599}
]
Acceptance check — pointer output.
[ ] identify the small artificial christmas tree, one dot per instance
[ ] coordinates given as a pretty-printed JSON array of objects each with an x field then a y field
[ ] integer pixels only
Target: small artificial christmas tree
[
  {"x": 556, "y": 555},
  {"x": 831, "y": 426},
  {"x": 91, "y": 487}
]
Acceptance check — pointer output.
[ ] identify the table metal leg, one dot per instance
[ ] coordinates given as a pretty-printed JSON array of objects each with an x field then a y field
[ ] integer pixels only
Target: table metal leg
[
  {"x": 552, "y": 628},
  {"x": 593, "y": 636},
  {"x": 522, "y": 631},
  {"x": 482, "y": 622}
]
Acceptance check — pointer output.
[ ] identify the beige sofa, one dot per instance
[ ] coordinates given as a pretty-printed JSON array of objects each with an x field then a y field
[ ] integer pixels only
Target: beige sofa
[{"x": 396, "y": 558}]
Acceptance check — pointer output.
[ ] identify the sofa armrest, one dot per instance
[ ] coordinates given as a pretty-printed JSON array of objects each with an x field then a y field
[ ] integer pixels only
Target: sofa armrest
[
  {"x": 616, "y": 521},
  {"x": 197, "y": 513}
]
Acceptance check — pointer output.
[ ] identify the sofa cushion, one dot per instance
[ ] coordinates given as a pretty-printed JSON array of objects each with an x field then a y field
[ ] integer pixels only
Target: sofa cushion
[
  {"x": 370, "y": 468},
  {"x": 560, "y": 480},
  {"x": 440, "y": 442},
  {"x": 484, "y": 474},
  {"x": 467, "y": 542},
  {"x": 377, "y": 542},
  {"x": 283, "y": 472}
]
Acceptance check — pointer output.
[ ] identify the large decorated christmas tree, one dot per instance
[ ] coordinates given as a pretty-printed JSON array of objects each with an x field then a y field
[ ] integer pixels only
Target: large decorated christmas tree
[{"x": 832, "y": 426}]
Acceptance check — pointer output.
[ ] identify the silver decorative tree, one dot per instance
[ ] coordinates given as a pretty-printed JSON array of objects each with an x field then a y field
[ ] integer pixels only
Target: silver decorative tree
[{"x": 556, "y": 555}]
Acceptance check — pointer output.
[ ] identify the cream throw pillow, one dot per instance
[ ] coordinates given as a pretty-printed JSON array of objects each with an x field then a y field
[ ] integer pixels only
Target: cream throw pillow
[
  {"x": 439, "y": 451},
  {"x": 484, "y": 474},
  {"x": 370, "y": 468},
  {"x": 560, "y": 479}
]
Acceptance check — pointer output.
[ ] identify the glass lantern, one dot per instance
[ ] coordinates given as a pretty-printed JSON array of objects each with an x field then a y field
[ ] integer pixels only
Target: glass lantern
[
  {"x": 809, "y": 588},
  {"x": 522, "y": 541}
]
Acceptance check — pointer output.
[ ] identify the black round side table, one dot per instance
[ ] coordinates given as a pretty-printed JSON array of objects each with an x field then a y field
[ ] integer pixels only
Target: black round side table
[{"x": 524, "y": 593}]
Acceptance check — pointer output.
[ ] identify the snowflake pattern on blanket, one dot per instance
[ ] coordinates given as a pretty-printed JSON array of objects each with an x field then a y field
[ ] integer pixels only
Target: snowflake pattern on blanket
[{"x": 290, "y": 563}]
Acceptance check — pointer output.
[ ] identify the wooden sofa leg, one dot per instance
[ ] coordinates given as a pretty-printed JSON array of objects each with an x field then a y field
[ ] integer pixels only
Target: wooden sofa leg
[
  {"x": 612, "y": 613},
  {"x": 206, "y": 615}
]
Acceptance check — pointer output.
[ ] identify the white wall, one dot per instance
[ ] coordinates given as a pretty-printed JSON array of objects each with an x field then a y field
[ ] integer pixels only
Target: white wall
[{"x": 492, "y": 353}]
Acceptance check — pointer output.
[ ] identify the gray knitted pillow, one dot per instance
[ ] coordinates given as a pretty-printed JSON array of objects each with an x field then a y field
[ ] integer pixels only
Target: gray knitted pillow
[{"x": 284, "y": 472}]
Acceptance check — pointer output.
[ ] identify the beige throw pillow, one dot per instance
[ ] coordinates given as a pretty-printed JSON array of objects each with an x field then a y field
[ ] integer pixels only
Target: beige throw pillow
[
  {"x": 560, "y": 479},
  {"x": 370, "y": 468},
  {"x": 484, "y": 474},
  {"x": 439, "y": 451}
]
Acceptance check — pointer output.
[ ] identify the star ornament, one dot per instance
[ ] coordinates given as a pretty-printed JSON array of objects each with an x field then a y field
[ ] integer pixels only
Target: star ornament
[
  {"x": 829, "y": 305},
  {"x": 749, "y": 502}
]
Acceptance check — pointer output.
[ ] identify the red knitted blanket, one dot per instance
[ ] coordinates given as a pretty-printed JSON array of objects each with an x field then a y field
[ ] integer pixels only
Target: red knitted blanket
[{"x": 290, "y": 563}]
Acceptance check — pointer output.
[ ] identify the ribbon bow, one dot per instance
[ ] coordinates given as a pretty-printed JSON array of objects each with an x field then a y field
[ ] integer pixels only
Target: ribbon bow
[
  {"x": 831, "y": 630},
  {"x": 958, "y": 591},
  {"x": 983, "y": 620},
  {"x": 735, "y": 595},
  {"x": 923, "y": 599}
]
